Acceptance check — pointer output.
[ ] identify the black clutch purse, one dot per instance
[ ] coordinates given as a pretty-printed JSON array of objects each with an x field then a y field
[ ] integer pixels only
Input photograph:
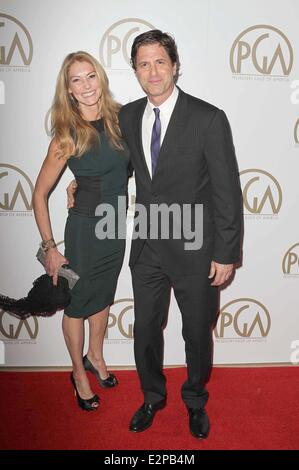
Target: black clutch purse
[{"x": 70, "y": 275}]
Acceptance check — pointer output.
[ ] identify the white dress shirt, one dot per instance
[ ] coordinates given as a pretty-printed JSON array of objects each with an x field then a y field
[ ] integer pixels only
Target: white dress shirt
[{"x": 148, "y": 120}]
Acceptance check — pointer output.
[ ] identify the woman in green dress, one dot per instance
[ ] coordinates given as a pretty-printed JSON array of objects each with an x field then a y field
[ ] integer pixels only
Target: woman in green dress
[{"x": 86, "y": 138}]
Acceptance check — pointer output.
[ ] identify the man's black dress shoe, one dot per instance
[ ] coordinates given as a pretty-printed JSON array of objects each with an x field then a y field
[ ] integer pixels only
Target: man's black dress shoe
[
  {"x": 199, "y": 423},
  {"x": 144, "y": 416}
]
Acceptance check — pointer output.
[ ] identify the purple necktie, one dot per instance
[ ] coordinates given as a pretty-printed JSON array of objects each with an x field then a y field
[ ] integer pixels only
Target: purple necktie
[{"x": 155, "y": 141}]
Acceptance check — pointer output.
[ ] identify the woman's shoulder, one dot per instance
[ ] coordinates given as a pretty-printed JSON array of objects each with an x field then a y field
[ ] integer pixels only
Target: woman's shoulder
[
  {"x": 57, "y": 150},
  {"x": 54, "y": 146}
]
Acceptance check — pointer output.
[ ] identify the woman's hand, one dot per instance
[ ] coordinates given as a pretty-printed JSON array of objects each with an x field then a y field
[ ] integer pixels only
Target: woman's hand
[
  {"x": 54, "y": 261},
  {"x": 70, "y": 190}
]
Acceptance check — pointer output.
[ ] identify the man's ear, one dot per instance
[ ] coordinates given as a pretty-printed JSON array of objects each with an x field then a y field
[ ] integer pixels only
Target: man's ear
[{"x": 174, "y": 69}]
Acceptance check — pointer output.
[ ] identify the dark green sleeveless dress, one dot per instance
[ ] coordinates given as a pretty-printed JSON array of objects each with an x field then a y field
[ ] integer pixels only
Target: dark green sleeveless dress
[{"x": 102, "y": 176}]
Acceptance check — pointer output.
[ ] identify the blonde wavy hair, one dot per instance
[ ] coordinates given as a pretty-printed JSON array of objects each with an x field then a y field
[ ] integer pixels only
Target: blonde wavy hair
[{"x": 74, "y": 135}]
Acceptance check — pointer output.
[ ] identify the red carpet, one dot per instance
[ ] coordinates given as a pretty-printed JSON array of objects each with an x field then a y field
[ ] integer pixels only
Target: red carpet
[{"x": 249, "y": 408}]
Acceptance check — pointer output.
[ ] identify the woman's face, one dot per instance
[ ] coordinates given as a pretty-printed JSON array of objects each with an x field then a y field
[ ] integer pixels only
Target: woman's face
[{"x": 84, "y": 85}]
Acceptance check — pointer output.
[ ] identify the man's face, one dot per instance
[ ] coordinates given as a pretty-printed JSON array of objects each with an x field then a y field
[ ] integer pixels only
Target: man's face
[{"x": 155, "y": 72}]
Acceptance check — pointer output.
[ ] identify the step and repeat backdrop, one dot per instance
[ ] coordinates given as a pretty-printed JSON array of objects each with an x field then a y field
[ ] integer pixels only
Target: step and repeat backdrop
[{"x": 240, "y": 56}]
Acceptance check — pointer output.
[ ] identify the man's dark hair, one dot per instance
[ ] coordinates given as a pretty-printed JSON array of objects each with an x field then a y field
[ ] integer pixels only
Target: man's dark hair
[{"x": 152, "y": 37}]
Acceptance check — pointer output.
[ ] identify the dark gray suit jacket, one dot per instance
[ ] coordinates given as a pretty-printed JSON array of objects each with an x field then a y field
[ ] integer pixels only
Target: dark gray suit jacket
[{"x": 196, "y": 165}]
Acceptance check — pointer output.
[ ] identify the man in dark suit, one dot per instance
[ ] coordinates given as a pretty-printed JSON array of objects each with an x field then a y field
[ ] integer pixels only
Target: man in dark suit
[{"x": 182, "y": 152}]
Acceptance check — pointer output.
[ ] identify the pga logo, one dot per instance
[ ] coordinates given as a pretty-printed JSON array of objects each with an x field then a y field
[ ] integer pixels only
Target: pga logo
[{"x": 116, "y": 43}]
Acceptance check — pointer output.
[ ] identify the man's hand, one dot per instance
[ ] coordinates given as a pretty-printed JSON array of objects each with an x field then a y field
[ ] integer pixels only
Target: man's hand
[
  {"x": 220, "y": 272},
  {"x": 70, "y": 190}
]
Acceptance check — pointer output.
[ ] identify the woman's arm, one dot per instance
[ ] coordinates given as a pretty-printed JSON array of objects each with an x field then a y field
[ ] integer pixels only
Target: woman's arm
[{"x": 48, "y": 175}]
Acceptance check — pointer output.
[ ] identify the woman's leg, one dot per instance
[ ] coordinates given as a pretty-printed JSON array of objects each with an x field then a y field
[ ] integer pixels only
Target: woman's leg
[
  {"x": 97, "y": 329},
  {"x": 73, "y": 330}
]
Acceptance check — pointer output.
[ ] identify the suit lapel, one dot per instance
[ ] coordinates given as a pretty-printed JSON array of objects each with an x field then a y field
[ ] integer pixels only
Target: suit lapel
[
  {"x": 138, "y": 127},
  {"x": 176, "y": 123}
]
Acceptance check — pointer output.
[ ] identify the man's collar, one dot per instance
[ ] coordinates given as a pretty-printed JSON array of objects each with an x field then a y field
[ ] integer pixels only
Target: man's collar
[{"x": 169, "y": 102}]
